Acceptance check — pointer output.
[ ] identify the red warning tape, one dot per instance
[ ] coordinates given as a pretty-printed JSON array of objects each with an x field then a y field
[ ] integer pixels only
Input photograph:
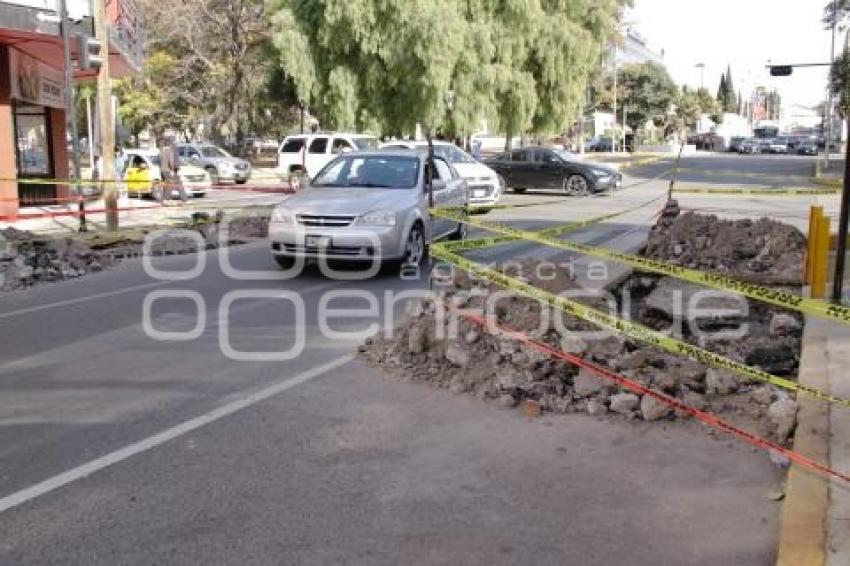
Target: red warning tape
[{"x": 707, "y": 418}]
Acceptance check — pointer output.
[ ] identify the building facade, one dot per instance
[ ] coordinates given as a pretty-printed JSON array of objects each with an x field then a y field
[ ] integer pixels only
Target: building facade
[{"x": 34, "y": 142}]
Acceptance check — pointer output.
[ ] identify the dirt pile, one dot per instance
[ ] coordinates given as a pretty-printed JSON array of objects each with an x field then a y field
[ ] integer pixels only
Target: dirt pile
[
  {"x": 27, "y": 259},
  {"x": 762, "y": 251},
  {"x": 450, "y": 352}
]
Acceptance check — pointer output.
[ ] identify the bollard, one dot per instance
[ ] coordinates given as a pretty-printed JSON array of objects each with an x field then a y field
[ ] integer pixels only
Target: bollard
[
  {"x": 815, "y": 212},
  {"x": 820, "y": 257}
]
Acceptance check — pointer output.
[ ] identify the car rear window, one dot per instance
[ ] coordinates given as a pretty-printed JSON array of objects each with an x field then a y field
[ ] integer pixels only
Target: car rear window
[{"x": 292, "y": 145}]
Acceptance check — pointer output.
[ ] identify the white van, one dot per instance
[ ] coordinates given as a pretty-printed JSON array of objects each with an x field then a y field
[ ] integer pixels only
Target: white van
[{"x": 306, "y": 154}]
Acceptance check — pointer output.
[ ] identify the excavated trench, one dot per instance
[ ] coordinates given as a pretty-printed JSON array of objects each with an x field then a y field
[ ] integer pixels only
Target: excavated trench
[{"x": 445, "y": 351}]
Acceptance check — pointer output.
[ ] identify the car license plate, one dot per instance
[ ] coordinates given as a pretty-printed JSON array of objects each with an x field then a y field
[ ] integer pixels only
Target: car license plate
[
  {"x": 478, "y": 194},
  {"x": 318, "y": 241}
]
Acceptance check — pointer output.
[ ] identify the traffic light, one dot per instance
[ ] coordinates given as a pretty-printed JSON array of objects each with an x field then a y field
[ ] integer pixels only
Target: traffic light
[
  {"x": 89, "y": 54},
  {"x": 781, "y": 70}
]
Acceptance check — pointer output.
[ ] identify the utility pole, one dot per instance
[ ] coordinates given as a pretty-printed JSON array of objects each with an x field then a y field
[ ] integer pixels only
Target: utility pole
[
  {"x": 829, "y": 133},
  {"x": 70, "y": 113},
  {"x": 107, "y": 127},
  {"x": 90, "y": 128},
  {"x": 613, "y": 145},
  {"x": 841, "y": 245},
  {"x": 701, "y": 67}
]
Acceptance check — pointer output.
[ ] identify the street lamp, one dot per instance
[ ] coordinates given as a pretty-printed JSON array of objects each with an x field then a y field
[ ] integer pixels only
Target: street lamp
[{"x": 701, "y": 67}]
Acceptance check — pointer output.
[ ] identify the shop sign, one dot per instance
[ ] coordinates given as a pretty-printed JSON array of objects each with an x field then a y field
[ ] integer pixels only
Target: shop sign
[{"x": 35, "y": 82}]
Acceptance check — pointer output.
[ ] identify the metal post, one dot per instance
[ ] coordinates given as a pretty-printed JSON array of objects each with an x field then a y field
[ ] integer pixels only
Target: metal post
[
  {"x": 90, "y": 128},
  {"x": 841, "y": 245},
  {"x": 70, "y": 114},
  {"x": 829, "y": 133}
]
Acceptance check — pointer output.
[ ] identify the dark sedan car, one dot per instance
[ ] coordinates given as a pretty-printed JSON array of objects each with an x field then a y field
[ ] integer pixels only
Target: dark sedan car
[
  {"x": 808, "y": 147},
  {"x": 544, "y": 168}
]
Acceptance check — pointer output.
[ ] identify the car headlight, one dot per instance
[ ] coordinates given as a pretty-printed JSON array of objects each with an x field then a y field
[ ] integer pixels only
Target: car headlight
[
  {"x": 601, "y": 174},
  {"x": 283, "y": 216},
  {"x": 376, "y": 218}
]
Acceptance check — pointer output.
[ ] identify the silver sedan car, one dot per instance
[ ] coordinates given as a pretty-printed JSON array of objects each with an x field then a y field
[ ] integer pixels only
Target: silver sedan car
[{"x": 368, "y": 206}]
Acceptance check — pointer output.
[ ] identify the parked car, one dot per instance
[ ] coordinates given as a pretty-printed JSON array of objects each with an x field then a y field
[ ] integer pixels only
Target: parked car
[
  {"x": 763, "y": 145},
  {"x": 545, "y": 168},
  {"x": 777, "y": 145},
  {"x": 220, "y": 165},
  {"x": 735, "y": 143},
  {"x": 195, "y": 180},
  {"x": 484, "y": 184},
  {"x": 808, "y": 147},
  {"x": 306, "y": 154},
  {"x": 367, "y": 206},
  {"x": 749, "y": 145},
  {"x": 600, "y": 144}
]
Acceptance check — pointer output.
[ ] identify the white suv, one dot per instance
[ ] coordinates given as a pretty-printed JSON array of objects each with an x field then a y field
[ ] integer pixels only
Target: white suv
[{"x": 306, "y": 154}]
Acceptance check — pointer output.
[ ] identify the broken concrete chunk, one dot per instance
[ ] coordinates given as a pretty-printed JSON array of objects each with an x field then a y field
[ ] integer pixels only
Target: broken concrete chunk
[
  {"x": 417, "y": 339},
  {"x": 586, "y": 383},
  {"x": 652, "y": 409},
  {"x": 624, "y": 403},
  {"x": 596, "y": 408},
  {"x": 720, "y": 381},
  {"x": 783, "y": 415},
  {"x": 458, "y": 355},
  {"x": 782, "y": 324}
]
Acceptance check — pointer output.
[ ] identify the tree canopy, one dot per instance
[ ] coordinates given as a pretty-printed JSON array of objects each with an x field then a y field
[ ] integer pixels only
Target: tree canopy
[
  {"x": 645, "y": 89},
  {"x": 390, "y": 64}
]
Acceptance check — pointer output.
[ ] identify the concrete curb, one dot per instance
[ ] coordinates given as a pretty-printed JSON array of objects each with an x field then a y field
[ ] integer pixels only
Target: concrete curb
[{"x": 803, "y": 530}]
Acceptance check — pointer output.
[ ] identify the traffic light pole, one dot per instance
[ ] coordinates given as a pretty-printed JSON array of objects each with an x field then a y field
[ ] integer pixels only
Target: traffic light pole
[{"x": 70, "y": 112}]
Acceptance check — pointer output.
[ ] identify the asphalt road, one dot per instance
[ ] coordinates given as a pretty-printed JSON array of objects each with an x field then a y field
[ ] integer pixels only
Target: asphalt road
[{"x": 118, "y": 448}]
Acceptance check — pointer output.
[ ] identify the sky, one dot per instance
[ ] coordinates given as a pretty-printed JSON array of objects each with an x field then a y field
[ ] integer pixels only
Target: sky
[{"x": 745, "y": 34}]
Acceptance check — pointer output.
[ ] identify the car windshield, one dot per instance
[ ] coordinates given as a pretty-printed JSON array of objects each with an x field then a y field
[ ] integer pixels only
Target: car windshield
[
  {"x": 378, "y": 171},
  {"x": 365, "y": 144},
  {"x": 213, "y": 151}
]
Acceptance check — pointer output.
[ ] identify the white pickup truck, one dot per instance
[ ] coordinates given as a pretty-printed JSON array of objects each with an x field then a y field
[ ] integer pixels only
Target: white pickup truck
[{"x": 306, "y": 154}]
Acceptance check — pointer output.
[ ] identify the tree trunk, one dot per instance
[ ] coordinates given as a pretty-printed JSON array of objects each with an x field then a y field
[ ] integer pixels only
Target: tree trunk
[{"x": 508, "y": 138}]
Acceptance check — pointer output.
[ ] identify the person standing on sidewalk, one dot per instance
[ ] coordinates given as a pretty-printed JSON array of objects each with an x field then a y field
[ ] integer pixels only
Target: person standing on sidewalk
[{"x": 169, "y": 167}]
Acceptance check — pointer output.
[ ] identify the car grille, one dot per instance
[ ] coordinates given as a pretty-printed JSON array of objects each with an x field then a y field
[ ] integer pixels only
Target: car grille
[
  {"x": 324, "y": 220},
  {"x": 331, "y": 250}
]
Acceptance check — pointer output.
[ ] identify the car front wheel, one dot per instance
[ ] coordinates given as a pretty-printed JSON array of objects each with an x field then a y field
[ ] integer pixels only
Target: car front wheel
[
  {"x": 414, "y": 247},
  {"x": 575, "y": 185}
]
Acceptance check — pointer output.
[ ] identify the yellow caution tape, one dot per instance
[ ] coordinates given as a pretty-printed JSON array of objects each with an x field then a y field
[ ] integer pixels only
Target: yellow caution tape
[
  {"x": 836, "y": 313},
  {"x": 785, "y": 191},
  {"x": 733, "y": 173},
  {"x": 480, "y": 243},
  {"x": 627, "y": 328}
]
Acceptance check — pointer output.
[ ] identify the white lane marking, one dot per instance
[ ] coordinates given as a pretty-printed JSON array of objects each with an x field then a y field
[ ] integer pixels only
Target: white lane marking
[
  {"x": 82, "y": 299},
  {"x": 146, "y": 444}
]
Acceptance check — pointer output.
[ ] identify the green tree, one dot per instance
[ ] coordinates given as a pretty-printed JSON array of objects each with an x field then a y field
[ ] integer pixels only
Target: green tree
[
  {"x": 645, "y": 89},
  {"x": 721, "y": 90},
  {"x": 838, "y": 13},
  {"x": 521, "y": 64},
  {"x": 730, "y": 99}
]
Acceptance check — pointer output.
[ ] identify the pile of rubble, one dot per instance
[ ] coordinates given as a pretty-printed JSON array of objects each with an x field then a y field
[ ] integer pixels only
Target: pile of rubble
[
  {"x": 27, "y": 259},
  {"x": 453, "y": 353},
  {"x": 763, "y": 251}
]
